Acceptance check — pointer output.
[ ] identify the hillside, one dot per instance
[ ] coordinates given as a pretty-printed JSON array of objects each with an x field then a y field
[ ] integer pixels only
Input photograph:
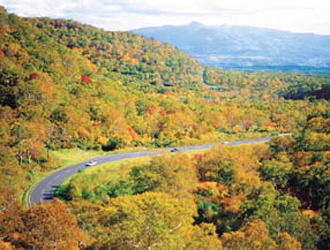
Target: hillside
[
  {"x": 71, "y": 91},
  {"x": 132, "y": 55},
  {"x": 239, "y": 47}
]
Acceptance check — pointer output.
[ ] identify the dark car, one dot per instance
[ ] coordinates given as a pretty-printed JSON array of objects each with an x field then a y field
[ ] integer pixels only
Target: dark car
[{"x": 174, "y": 150}]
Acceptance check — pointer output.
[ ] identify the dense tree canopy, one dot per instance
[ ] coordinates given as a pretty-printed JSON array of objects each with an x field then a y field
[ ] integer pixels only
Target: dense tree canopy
[{"x": 64, "y": 85}]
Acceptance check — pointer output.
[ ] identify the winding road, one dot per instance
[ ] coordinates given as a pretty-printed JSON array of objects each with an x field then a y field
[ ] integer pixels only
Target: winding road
[
  {"x": 208, "y": 85},
  {"x": 44, "y": 190}
]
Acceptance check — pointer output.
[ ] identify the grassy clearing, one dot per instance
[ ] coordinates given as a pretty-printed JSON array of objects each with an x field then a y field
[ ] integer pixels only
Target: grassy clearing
[
  {"x": 107, "y": 170},
  {"x": 72, "y": 156}
]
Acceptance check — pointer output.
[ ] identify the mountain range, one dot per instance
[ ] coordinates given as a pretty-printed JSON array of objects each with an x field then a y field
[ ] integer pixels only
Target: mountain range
[{"x": 243, "y": 47}]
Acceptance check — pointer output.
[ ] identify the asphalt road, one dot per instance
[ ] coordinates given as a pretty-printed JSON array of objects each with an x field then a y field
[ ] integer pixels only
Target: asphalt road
[
  {"x": 44, "y": 190},
  {"x": 209, "y": 85}
]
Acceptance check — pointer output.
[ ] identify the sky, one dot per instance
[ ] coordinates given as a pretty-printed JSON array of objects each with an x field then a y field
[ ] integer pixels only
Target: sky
[{"x": 306, "y": 16}]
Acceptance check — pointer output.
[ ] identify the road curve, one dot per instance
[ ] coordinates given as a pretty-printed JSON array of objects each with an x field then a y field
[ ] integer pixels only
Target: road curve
[
  {"x": 208, "y": 85},
  {"x": 44, "y": 190}
]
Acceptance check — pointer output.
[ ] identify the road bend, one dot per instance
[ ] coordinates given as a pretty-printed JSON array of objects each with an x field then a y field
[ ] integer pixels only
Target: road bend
[{"x": 44, "y": 190}]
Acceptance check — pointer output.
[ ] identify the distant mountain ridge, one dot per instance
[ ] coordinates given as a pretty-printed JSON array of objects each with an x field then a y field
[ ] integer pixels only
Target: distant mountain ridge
[{"x": 246, "y": 47}]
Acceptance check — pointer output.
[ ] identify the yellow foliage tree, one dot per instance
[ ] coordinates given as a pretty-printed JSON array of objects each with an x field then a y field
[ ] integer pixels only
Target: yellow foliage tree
[
  {"x": 253, "y": 236},
  {"x": 51, "y": 226},
  {"x": 6, "y": 245},
  {"x": 287, "y": 242},
  {"x": 153, "y": 221}
]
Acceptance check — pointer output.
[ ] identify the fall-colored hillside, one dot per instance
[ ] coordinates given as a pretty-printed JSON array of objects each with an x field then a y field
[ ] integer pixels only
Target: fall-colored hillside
[
  {"x": 68, "y": 85},
  {"x": 144, "y": 60}
]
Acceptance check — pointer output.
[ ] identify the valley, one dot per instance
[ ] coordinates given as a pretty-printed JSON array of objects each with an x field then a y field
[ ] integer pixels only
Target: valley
[{"x": 74, "y": 96}]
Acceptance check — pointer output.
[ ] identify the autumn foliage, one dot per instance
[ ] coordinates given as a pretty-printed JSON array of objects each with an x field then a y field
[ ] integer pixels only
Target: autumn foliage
[
  {"x": 34, "y": 76},
  {"x": 69, "y": 85},
  {"x": 85, "y": 79},
  {"x": 44, "y": 226}
]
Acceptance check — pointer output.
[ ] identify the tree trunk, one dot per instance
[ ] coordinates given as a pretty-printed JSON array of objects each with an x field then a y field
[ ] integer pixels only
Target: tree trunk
[
  {"x": 48, "y": 151},
  {"x": 28, "y": 156},
  {"x": 20, "y": 158}
]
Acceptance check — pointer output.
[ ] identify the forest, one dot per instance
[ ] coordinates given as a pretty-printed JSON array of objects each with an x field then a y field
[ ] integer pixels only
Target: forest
[{"x": 66, "y": 85}]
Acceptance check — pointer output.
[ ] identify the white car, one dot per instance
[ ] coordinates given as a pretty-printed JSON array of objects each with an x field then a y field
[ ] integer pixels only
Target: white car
[
  {"x": 225, "y": 142},
  {"x": 91, "y": 163},
  {"x": 285, "y": 134}
]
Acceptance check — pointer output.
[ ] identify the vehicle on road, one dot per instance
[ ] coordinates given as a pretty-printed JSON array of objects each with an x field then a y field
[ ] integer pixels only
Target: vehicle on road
[
  {"x": 285, "y": 134},
  {"x": 225, "y": 142},
  {"x": 174, "y": 150},
  {"x": 91, "y": 163}
]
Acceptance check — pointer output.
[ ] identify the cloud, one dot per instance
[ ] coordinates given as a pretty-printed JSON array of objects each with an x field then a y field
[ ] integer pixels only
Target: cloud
[{"x": 294, "y": 15}]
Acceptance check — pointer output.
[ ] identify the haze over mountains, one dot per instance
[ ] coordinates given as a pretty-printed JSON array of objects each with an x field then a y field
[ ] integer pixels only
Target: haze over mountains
[{"x": 243, "y": 47}]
